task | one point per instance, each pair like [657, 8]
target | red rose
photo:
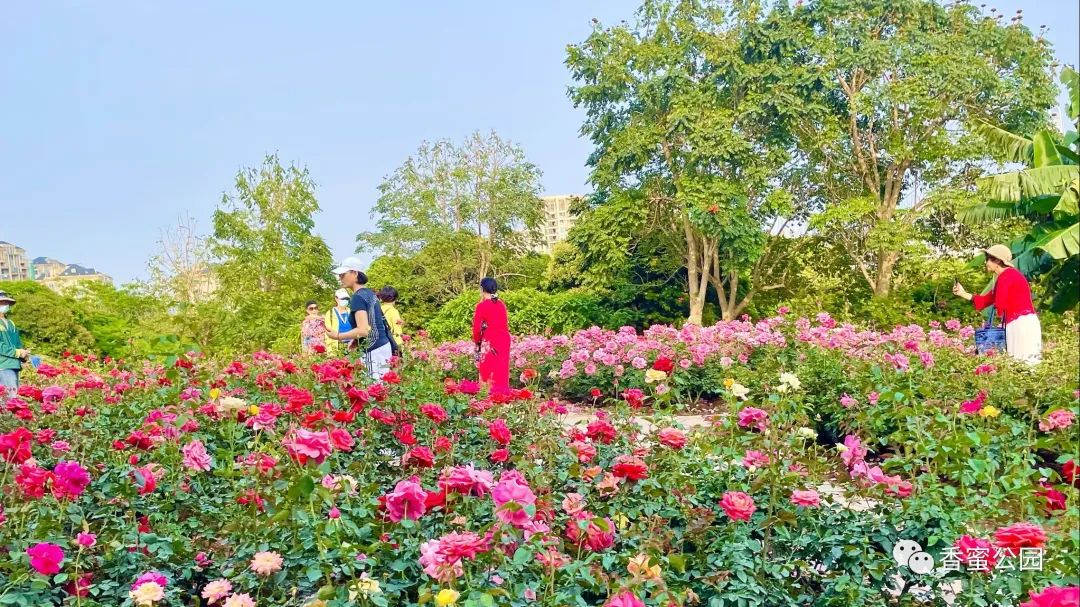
[499, 432]
[976, 549]
[1055, 500]
[595, 393]
[664, 364]
[420, 456]
[630, 468]
[500, 455]
[1020, 535]
[341, 439]
[405, 435]
[601, 431]
[434, 412]
[1070, 472]
[443, 445]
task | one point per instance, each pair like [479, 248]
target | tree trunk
[883, 280]
[699, 255]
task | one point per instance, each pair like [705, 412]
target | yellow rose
[728, 382]
[253, 409]
[367, 585]
[989, 411]
[446, 597]
[620, 520]
[655, 375]
[639, 568]
[214, 393]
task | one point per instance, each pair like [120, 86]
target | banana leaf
[1028, 183]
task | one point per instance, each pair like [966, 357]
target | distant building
[557, 221]
[75, 274]
[47, 267]
[13, 262]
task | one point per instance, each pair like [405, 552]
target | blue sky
[120, 116]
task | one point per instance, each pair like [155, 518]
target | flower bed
[270, 481]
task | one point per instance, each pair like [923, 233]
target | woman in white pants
[1011, 298]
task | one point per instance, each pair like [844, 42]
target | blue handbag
[990, 338]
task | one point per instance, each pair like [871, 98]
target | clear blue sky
[119, 116]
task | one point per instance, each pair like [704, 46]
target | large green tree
[891, 86]
[268, 258]
[688, 120]
[462, 208]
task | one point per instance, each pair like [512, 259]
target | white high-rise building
[557, 220]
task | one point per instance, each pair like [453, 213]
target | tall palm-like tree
[1046, 191]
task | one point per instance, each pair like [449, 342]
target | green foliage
[884, 84]
[530, 312]
[47, 322]
[689, 129]
[269, 260]
[456, 213]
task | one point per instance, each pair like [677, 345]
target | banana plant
[1047, 192]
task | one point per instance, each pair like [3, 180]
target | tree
[890, 86]
[1047, 192]
[268, 259]
[610, 251]
[466, 205]
[47, 322]
[180, 270]
[689, 122]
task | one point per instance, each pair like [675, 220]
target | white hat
[341, 294]
[1002, 252]
[349, 264]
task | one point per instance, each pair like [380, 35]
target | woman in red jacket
[490, 325]
[1011, 298]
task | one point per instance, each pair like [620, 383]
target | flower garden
[819, 455]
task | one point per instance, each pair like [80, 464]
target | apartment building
[13, 262]
[557, 220]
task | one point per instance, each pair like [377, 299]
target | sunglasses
[313, 308]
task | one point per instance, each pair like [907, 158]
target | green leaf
[522, 556]
[1010, 146]
[1061, 243]
[301, 487]
[1028, 183]
[1045, 150]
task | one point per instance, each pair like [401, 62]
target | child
[387, 299]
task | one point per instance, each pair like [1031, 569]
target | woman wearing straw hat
[1011, 298]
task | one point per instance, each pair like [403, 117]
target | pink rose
[738, 505]
[673, 438]
[511, 498]
[573, 503]
[625, 598]
[196, 457]
[305, 445]
[46, 558]
[1054, 596]
[407, 500]
[807, 499]
[752, 417]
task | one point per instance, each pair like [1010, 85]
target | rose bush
[273, 481]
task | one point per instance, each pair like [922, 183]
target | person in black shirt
[369, 332]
